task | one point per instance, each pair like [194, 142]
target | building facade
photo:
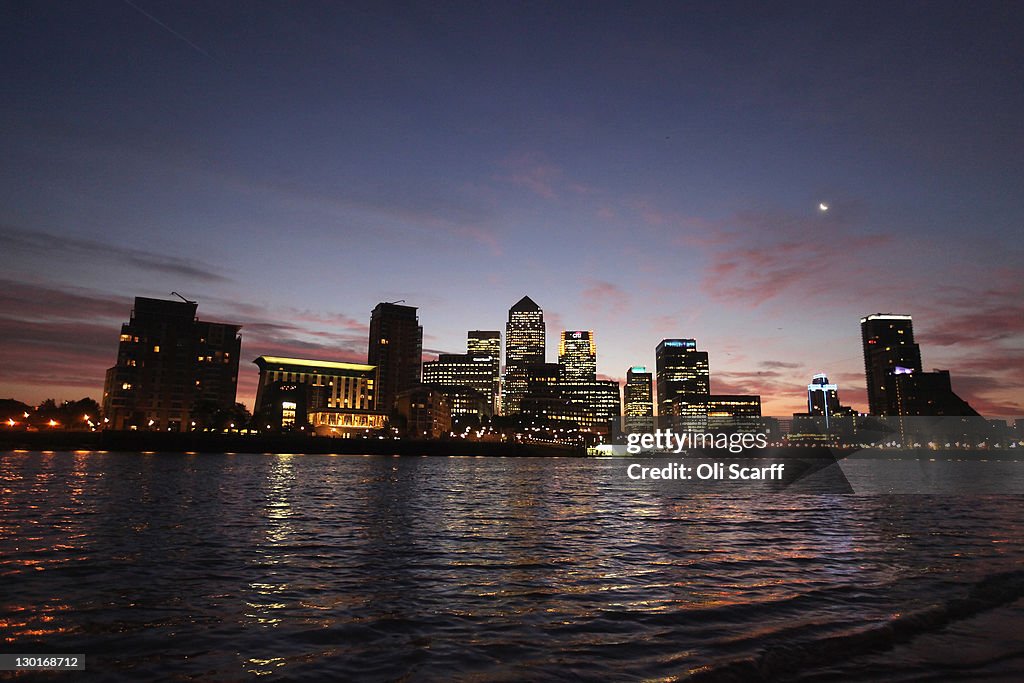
[896, 383]
[525, 339]
[170, 367]
[681, 370]
[638, 401]
[327, 397]
[424, 413]
[466, 380]
[888, 344]
[577, 356]
[396, 350]
[487, 344]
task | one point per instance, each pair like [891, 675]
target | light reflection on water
[227, 567]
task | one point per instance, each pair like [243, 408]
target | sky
[644, 170]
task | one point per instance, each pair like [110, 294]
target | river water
[308, 567]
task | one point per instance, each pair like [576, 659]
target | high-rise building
[524, 346]
[681, 370]
[466, 380]
[396, 349]
[487, 344]
[600, 402]
[889, 348]
[823, 400]
[638, 401]
[892, 367]
[577, 356]
[170, 367]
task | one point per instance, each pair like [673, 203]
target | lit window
[126, 386]
[126, 337]
[156, 349]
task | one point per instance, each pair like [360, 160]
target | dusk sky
[644, 170]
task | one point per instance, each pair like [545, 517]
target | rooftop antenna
[182, 298]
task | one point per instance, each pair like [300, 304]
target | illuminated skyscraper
[396, 348]
[524, 346]
[681, 370]
[889, 349]
[638, 400]
[577, 356]
[487, 344]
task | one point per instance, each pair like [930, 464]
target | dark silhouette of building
[525, 340]
[169, 365]
[888, 341]
[396, 349]
[928, 394]
[897, 386]
[681, 370]
[423, 413]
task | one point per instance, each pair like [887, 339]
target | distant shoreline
[206, 442]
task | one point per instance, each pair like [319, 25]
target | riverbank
[206, 442]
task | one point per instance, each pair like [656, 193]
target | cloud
[604, 297]
[533, 173]
[760, 255]
[19, 243]
[779, 365]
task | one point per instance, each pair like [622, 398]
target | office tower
[681, 370]
[822, 397]
[896, 383]
[524, 346]
[330, 398]
[171, 368]
[543, 398]
[889, 348]
[600, 402]
[577, 356]
[487, 344]
[466, 380]
[396, 348]
[638, 401]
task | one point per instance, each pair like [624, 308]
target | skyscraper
[822, 398]
[524, 346]
[170, 367]
[577, 356]
[487, 344]
[889, 348]
[396, 348]
[681, 370]
[638, 400]
[896, 383]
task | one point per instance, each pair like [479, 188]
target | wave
[778, 661]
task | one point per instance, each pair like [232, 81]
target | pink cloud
[604, 297]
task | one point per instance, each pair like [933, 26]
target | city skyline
[647, 175]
